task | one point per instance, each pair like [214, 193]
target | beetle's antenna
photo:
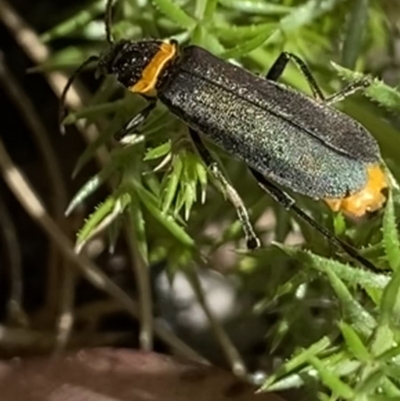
[71, 79]
[108, 21]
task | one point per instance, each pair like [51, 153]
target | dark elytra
[283, 136]
[294, 140]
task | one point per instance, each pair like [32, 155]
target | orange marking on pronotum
[368, 200]
[147, 83]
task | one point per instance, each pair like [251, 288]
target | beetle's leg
[288, 203]
[349, 90]
[125, 134]
[252, 240]
[280, 64]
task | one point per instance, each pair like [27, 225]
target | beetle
[286, 138]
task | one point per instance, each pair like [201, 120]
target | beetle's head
[140, 66]
[127, 60]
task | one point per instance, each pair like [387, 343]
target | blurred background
[151, 249]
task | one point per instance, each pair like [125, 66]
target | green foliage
[337, 325]
[383, 94]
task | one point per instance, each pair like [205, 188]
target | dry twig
[32, 204]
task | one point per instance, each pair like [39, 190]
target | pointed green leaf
[390, 305]
[354, 342]
[201, 172]
[259, 7]
[297, 361]
[171, 185]
[382, 340]
[339, 224]
[331, 380]
[307, 12]
[390, 235]
[378, 91]
[357, 24]
[246, 47]
[389, 354]
[303, 15]
[175, 13]
[287, 383]
[190, 183]
[370, 383]
[209, 9]
[233, 33]
[159, 151]
[202, 37]
[352, 275]
[89, 187]
[151, 204]
[95, 218]
[353, 311]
